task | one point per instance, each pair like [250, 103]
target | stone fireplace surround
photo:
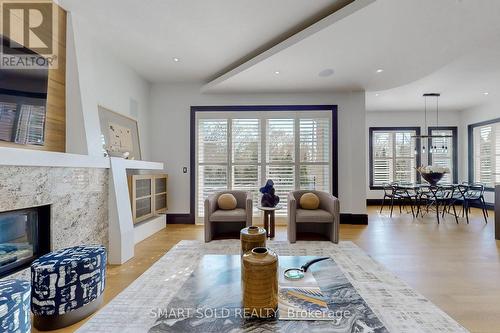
[78, 199]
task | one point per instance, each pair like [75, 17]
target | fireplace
[24, 236]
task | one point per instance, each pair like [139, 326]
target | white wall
[97, 77]
[411, 119]
[170, 121]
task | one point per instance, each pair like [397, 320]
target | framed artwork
[119, 134]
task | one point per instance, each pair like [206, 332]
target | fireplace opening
[24, 236]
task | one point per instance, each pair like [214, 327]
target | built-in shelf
[148, 195]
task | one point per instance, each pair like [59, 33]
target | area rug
[400, 308]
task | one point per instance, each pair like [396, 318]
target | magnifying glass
[299, 273]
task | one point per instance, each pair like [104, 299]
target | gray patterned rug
[400, 308]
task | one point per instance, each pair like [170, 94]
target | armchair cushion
[226, 201]
[309, 201]
[234, 215]
[313, 215]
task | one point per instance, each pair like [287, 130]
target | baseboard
[374, 202]
[345, 218]
[180, 219]
[357, 219]
[378, 202]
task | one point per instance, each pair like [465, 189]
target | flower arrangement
[432, 174]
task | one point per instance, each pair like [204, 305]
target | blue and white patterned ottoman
[67, 285]
[15, 296]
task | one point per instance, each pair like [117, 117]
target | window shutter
[394, 156]
[246, 146]
[280, 141]
[315, 142]
[483, 170]
[212, 141]
[497, 155]
[212, 158]
[241, 151]
[443, 158]
[382, 158]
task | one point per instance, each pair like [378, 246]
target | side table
[269, 219]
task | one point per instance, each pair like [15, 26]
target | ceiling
[207, 36]
[447, 46]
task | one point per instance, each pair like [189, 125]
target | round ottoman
[67, 285]
[15, 298]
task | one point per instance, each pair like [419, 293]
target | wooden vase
[252, 237]
[259, 276]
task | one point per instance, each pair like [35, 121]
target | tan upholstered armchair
[218, 221]
[324, 220]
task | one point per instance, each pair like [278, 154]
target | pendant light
[431, 148]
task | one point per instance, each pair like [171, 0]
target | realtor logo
[28, 31]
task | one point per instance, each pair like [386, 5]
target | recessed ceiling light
[326, 72]
[377, 95]
[486, 93]
[176, 59]
[276, 72]
[380, 70]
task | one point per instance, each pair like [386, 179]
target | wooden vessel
[252, 237]
[259, 274]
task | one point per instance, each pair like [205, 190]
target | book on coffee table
[301, 299]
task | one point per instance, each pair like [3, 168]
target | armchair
[324, 220]
[218, 221]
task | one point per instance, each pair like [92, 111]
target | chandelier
[433, 148]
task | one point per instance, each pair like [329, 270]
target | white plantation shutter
[234, 152]
[314, 170]
[280, 157]
[443, 158]
[280, 141]
[496, 148]
[212, 158]
[382, 157]
[487, 154]
[246, 156]
[394, 158]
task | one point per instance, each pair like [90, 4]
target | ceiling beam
[305, 32]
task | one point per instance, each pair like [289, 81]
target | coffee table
[140, 305]
[269, 219]
[210, 301]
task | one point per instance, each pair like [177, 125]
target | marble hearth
[78, 198]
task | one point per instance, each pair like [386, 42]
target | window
[393, 155]
[446, 154]
[484, 159]
[241, 150]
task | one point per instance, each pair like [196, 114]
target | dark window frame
[234, 108]
[470, 133]
[454, 133]
[370, 145]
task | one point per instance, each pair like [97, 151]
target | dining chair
[390, 194]
[448, 199]
[475, 193]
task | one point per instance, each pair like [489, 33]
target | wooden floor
[455, 266]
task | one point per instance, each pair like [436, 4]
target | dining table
[445, 193]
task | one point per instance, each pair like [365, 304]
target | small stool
[15, 297]
[67, 286]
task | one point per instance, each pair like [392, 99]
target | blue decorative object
[15, 296]
[269, 199]
[67, 279]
